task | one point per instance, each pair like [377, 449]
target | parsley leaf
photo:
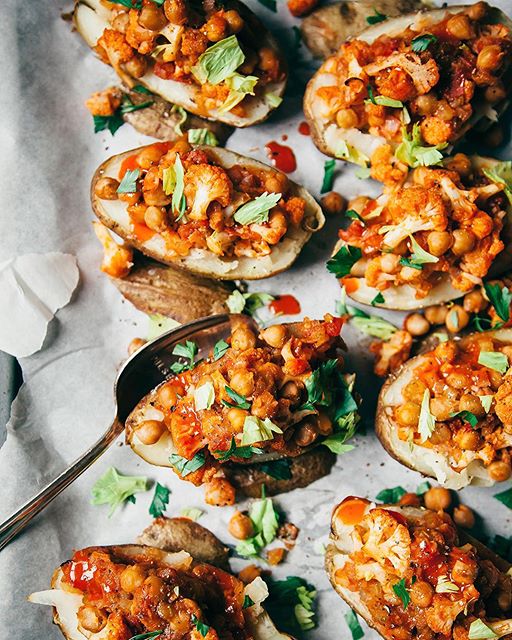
[127, 105]
[147, 635]
[291, 604]
[414, 154]
[160, 500]
[237, 452]
[328, 178]
[202, 627]
[407, 262]
[343, 260]
[113, 488]
[378, 17]
[139, 88]
[131, 4]
[129, 182]
[265, 524]
[238, 401]
[220, 349]
[378, 299]
[391, 496]
[277, 469]
[247, 602]
[401, 591]
[249, 303]
[185, 466]
[257, 210]
[505, 497]
[353, 624]
[112, 123]
[422, 488]
[423, 42]
[188, 350]
[466, 416]
[500, 298]
[350, 213]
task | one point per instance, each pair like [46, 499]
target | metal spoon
[147, 368]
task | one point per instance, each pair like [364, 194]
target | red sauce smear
[129, 164]
[282, 157]
[287, 305]
[304, 129]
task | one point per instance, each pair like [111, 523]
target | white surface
[49, 153]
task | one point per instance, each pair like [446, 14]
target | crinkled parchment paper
[48, 155]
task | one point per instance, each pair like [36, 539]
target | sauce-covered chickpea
[243, 339]
[408, 414]
[489, 59]
[240, 526]
[136, 66]
[499, 470]
[106, 188]
[421, 593]
[464, 517]
[91, 618]
[275, 336]
[437, 499]
[459, 27]
[132, 577]
[474, 302]
[152, 17]
[234, 20]
[467, 439]
[439, 242]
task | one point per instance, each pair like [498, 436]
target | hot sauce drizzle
[286, 305]
[282, 157]
[304, 129]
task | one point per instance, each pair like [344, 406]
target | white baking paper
[49, 153]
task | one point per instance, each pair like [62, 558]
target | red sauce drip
[282, 157]
[284, 137]
[129, 164]
[304, 129]
[287, 305]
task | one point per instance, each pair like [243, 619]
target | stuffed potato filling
[266, 395]
[208, 46]
[420, 86]
[443, 224]
[416, 579]
[126, 595]
[184, 196]
[458, 403]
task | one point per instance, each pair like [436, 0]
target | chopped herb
[129, 182]
[406, 262]
[378, 299]
[178, 202]
[159, 325]
[401, 591]
[502, 546]
[219, 61]
[192, 513]
[139, 88]
[327, 182]
[202, 627]
[505, 497]
[239, 302]
[257, 430]
[239, 87]
[493, 360]
[486, 402]
[370, 94]
[220, 349]
[383, 101]
[422, 488]
[391, 496]
[419, 255]
[204, 396]
[185, 466]
[257, 210]
[182, 118]
[112, 123]
[445, 586]
[343, 260]
[500, 298]
[372, 325]
[202, 136]
[238, 401]
[277, 469]
[160, 501]
[113, 488]
[353, 624]
[467, 416]
[237, 452]
[291, 604]
[127, 105]
[376, 18]
[265, 523]
[131, 4]
[423, 42]
[352, 154]
[304, 612]
[427, 422]
[478, 630]
[350, 213]
[247, 602]
[188, 350]
[148, 634]
[414, 154]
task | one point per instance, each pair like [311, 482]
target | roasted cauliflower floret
[388, 541]
[104, 103]
[117, 258]
[116, 48]
[503, 400]
[204, 184]
[391, 353]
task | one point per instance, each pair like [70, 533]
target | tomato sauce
[287, 305]
[282, 157]
[304, 129]
[129, 164]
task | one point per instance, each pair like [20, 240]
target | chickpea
[152, 17]
[236, 417]
[106, 188]
[292, 391]
[276, 556]
[457, 319]
[460, 163]
[267, 59]
[135, 345]
[249, 573]
[275, 336]
[132, 577]
[242, 382]
[346, 118]
[474, 301]
[495, 93]
[489, 59]
[410, 500]
[408, 414]
[442, 407]
[389, 262]
[499, 470]
[216, 28]
[495, 378]
[155, 218]
[240, 526]
[409, 274]
[439, 242]
[249, 64]
[243, 339]
[307, 432]
[333, 203]
[441, 434]
[414, 390]
[156, 197]
[436, 314]
[437, 499]
[444, 111]
[148, 156]
[91, 618]
[426, 104]
[358, 269]
[219, 493]
[234, 20]
[150, 431]
[121, 21]
[421, 593]
[459, 27]
[167, 395]
[446, 351]
[463, 241]
[467, 439]
[464, 517]
[175, 11]
[468, 402]
[477, 11]
[463, 572]
[358, 204]
[153, 586]
[136, 66]
[416, 324]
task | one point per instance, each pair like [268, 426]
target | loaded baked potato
[409, 574]
[119, 592]
[251, 412]
[215, 60]
[205, 209]
[429, 239]
[410, 86]
[447, 413]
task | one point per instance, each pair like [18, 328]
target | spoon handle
[21, 518]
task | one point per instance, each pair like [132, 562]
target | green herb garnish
[277, 469]
[493, 360]
[160, 500]
[237, 452]
[423, 42]
[328, 178]
[113, 488]
[220, 349]
[500, 298]
[391, 496]
[187, 350]
[129, 182]
[202, 627]
[343, 260]
[466, 416]
[353, 624]
[376, 18]
[257, 210]
[238, 401]
[184, 466]
[401, 591]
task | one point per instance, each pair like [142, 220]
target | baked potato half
[252, 411]
[430, 239]
[199, 594]
[216, 61]
[226, 216]
[412, 85]
[408, 570]
[459, 435]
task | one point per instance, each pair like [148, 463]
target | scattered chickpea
[234, 20]
[416, 324]
[275, 336]
[267, 59]
[457, 319]
[167, 395]
[408, 414]
[464, 517]
[243, 339]
[474, 301]
[155, 218]
[441, 408]
[135, 345]
[459, 27]
[460, 163]
[421, 593]
[219, 493]
[469, 402]
[106, 188]
[292, 391]
[276, 556]
[437, 499]
[499, 470]
[148, 156]
[410, 500]
[477, 11]
[442, 434]
[236, 418]
[307, 433]
[150, 431]
[436, 314]
[249, 573]
[240, 526]
[333, 203]
[467, 439]
[414, 390]
[346, 118]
